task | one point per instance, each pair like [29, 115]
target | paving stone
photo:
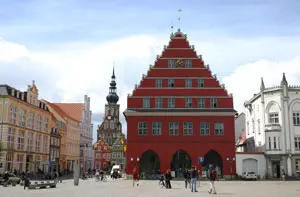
[124, 188]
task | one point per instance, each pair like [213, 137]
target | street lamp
[230, 162]
[133, 160]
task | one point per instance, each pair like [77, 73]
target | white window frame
[156, 128]
[188, 63]
[171, 102]
[158, 102]
[173, 129]
[200, 83]
[46, 123]
[13, 114]
[296, 118]
[297, 142]
[213, 102]
[270, 143]
[275, 142]
[39, 122]
[11, 138]
[189, 102]
[201, 102]
[297, 165]
[21, 140]
[219, 128]
[204, 128]
[188, 129]
[22, 122]
[38, 138]
[188, 83]
[273, 118]
[146, 102]
[170, 82]
[158, 83]
[142, 128]
[171, 63]
[31, 120]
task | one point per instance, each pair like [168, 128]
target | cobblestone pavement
[124, 188]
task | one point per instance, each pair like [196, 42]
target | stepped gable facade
[180, 115]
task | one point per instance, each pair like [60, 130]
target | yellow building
[70, 140]
[25, 125]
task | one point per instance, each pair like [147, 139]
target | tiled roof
[243, 139]
[73, 110]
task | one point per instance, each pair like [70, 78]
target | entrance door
[180, 161]
[276, 169]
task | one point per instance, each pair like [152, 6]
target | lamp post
[230, 162]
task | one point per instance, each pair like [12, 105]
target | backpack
[213, 175]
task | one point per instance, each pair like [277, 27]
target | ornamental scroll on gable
[179, 64]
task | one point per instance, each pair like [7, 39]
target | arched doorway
[149, 163]
[180, 161]
[213, 158]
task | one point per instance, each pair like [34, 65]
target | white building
[86, 136]
[239, 127]
[273, 124]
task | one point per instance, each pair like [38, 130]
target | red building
[179, 115]
[102, 154]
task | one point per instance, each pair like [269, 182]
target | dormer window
[171, 63]
[273, 118]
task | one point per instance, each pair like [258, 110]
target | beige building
[24, 130]
[70, 137]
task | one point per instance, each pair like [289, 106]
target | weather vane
[179, 18]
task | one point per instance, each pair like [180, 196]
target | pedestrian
[212, 178]
[187, 178]
[135, 177]
[194, 179]
[26, 181]
[168, 178]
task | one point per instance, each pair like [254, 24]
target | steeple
[284, 81]
[112, 97]
[262, 85]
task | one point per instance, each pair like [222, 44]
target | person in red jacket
[135, 176]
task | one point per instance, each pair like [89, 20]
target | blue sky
[64, 44]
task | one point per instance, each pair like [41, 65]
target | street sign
[201, 159]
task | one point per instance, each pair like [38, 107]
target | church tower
[111, 128]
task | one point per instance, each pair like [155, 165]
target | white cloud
[246, 79]
[10, 51]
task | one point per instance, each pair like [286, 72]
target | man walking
[194, 179]
[212, 178]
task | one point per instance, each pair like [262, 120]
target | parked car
[249, 176]
[12, 178]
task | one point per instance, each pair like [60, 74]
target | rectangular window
[30, 142]
[273, 118]
[19, 162]
[188, 102]
[10, 138]
[188, 63]
[173, 129]
[297, 143]
[248, 132]
[171, 102]
[46, 122]
[98, 155]
[297, 164]
[31, 120]
[188, 83]
[9, 161]
[201, 102]
[219, 128]
[171, 83]
[253, 126]
[21, 140]
[213, 102]
[45, 143]
[200, 83]
[158, 102]
[37, 143]
[278, 142]
[156, 128]
[158, 83]
[142, 128]
[39, 123]
[204, 128]
[270, 143]
[296, 118]
[146, 102]
[22, 121]
[275, 142]
[13, 114]
[188, 128]
[258, 127]
[171, 63]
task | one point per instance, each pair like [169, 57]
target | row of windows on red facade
[171, 83]
[188, 128]
[188, 102]
[172, 63]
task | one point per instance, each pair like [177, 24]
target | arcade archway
[180, 161]
[149, 163]
[213, 158]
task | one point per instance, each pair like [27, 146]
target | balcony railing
[272, 127]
